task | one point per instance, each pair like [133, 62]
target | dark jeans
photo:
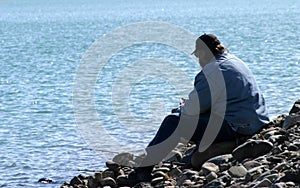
[171, 122]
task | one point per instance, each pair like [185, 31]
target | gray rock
[254, 173]
[251, 164]
[220, 159]
[252, 149]
[237, 171]
[123, 158]
[209, 167]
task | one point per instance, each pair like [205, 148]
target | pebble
[237, 171]
[209, 167]
[252, 149]
[251, 164]
[211, 176]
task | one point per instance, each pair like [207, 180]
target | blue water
[42, 43]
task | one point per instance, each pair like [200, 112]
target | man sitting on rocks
[225, 104]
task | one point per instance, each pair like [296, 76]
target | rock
[252, 149]
[108, 173]
[237, 171]
[93, 182]
[214, 184]
[251, 164]
[113, 166]
[75, 181]
[290, 175]
[109, 182]
[255, 163]
[122, 180]
[159, 174]
[290, 121]
[224, 166]
[45, 180]
[221, 159]
[272, 177]
[263, 183]
[123, 158]
[211, 176]
[174, 156]
[174, 172]
[296, 108]
[162, 169]
[290, 184]
[157, 180]
[216, 149]
[254, 173]
[209, 167]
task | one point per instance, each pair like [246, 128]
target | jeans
[171, 122]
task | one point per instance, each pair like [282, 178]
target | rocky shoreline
[270, 158]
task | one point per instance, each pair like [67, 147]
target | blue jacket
[228, 80]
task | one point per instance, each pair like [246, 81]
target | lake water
[41, 47]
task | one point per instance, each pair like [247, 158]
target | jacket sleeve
[199, 100]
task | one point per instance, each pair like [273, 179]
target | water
[42, 43]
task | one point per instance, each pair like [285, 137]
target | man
[226, 102]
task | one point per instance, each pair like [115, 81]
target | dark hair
[213, 43]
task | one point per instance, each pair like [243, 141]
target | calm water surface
[42, 42]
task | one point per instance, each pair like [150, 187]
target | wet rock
[45, 180]
[237, 171]
[252, 149]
